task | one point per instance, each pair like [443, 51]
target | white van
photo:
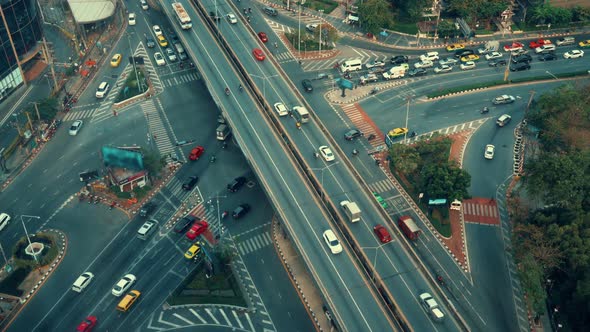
[301, 114]
[145, 230]
[351, 65]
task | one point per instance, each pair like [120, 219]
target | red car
[382, 233]
[87, 325]
[263, 37]
[540, 42]
[258, 54]
[198, 228]
[196, 153]
[513, 47]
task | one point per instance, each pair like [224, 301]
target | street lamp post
[139, 84]
[408, 99]
[27, 233]
[548, 72]
[263, 78]
[322, 169]
[218, 213]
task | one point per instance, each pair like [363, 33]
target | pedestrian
[300, 62]
[276, 45]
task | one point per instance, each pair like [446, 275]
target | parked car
[240, 211]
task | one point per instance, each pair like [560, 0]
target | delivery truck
[352, 211]
[409, 227]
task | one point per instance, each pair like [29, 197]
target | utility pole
[37, 111]
[528, 105]
[408, 99]
[49, 61]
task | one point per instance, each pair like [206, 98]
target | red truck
[409, 227]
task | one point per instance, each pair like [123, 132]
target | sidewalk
[308, 292]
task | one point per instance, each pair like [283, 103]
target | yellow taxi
[162, 41]
[116, 60]
[455, 47]
[584, 43]
[397, 132]
[470, 57]
[192, 251]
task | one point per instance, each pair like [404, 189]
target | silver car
[75, 128]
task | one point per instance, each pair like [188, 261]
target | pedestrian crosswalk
[185, 77]
[362, 122]
[254, 243]
[157, 131]
[284, 57]
[381, 186]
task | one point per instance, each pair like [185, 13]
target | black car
[150, 42]
[399, 59]
[548, 57]
[240, 211]
[184, 223]
[215, 17]
[461, 53]
[520, 66]
[522, 58]
[307, 85]
[417, 72]
[236, 184]
[190, 183]
[352, 134]
[497, 63]
[147, 209]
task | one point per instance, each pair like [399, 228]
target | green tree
[446, 28]
[47, 109]
[329, 34]
[153, 162]
[580, 14]
[375, 15]
[444, 180]
[405, 158]
[475, 10]
[411, 11]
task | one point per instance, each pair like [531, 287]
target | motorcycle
[224, 214]
[371, 137]
[227, 91]
[413, 134]
[440, 280]
[212, 159]
[374, 91]
[355, 152]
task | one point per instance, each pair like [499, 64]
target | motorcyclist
[355, 152]
[227, 91]
[241, 87]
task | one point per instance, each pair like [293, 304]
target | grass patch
[221, 288]
[326, 5]
[131, 87]
[440, 221]
[497, 83]
[405, 27]
[307, 44]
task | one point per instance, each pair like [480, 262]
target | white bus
[182, 16]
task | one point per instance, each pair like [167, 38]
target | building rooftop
[90, 11]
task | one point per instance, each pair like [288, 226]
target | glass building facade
[20, 31]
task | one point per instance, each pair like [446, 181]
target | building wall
[20, 31]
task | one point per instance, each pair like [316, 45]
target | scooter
[374, 91]
[212, 159]
[224, 214]
[440, 280]
[371, 137]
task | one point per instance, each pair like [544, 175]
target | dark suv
[307, 85]
[184, 223]
[147, 209]
[461, 53]
[520, 66]
[190, 183]
[399, 59]
[522, 58]
[240, 211]
[236, 184]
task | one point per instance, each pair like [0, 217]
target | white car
[443, 69]
[157, 30]
[132, 19]
[573, 54]
[519, 52]
[448, 61]
[311, 27]
[144, 4]
[431, 56]
[170, 54]
[232, 18]
[4, 219]
[123, 285]
[102, 90]
[424, 64]
[82, 282]
[467, 65]
[429, 304]
[75, 128]
[281, 109]
[326, 153]
[376, 63]
[494, 55]
[489, 152]
[503, 99]
[332, 242]
[159, 59]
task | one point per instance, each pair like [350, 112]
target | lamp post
[408, 99]
[27, 233]
[264, 78]
[139, 84]
[548, 72]
[322, 169]
[217, 197]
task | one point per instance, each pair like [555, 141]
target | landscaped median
[489, 84]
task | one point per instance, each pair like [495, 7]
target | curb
[379, 86]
